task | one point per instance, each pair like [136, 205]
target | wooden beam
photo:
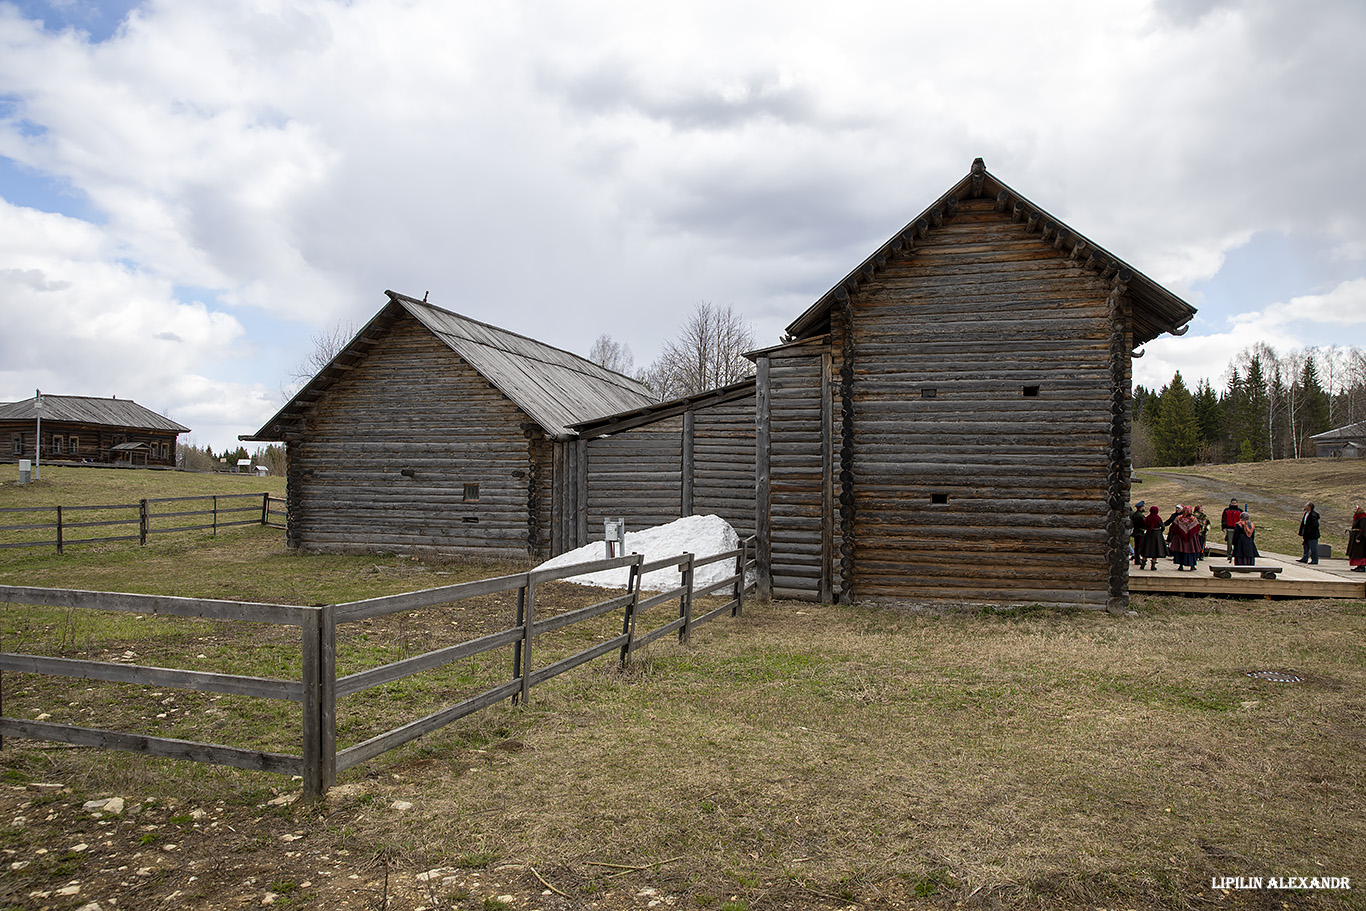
[1002, 200]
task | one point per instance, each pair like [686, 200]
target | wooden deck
[1330, 579]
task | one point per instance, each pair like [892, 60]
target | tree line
[191, 457]
[1270, 406]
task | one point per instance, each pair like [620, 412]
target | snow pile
[700, 536]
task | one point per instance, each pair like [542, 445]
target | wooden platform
[1330, 579]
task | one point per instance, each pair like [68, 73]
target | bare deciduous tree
[615, 356]
[708, 353]
[327, 344]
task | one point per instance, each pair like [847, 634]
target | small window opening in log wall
[469, 518]
[939, 499]
[1029, 392]
[471, 492]
[928, 392]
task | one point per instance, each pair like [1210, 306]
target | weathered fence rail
[318, 687]
[144, 518]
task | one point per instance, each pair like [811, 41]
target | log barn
[78, 428]
[951, 421]
[434, 433]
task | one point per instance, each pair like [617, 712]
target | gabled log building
[434, 433]
[952, 419]
[78, 428]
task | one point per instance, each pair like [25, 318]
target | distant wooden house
[1341, 443]
[434, 433]
[77, 428]
[952, 419]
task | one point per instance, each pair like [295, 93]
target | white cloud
[565, 169]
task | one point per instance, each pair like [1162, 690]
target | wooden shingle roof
[554, 388]
[124, 414]
[1155, 309]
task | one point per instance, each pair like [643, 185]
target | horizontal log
[200, 681]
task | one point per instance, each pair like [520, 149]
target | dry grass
[809, 756]
[803, 756]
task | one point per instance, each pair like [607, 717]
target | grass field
[803, 756]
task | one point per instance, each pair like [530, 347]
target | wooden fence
[142, 520]
[319, 687]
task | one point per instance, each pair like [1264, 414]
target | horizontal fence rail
[318, 687]
[139, 520]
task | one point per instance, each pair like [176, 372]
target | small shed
[951, 420]
[1347, 442]
[431, 432]
[78, 428]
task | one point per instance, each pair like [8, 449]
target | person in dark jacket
[1309, 531]
[1154, 545]
[1230, 518]
[1245, 542]
[1137, 529]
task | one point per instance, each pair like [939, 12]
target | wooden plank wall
[944, 344]
[637, 475]
[387, 451]
[700, 462]
[800, 523]
[723, 463]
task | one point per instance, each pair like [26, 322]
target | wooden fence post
[685, 600]
[628, 619]
[740, 580]
[142, 522]
[311, 705]
[59, 529]
[215, 516]
[526, 613]
[265, 507]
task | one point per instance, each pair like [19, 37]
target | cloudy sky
[191, 191]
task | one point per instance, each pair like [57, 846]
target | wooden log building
[951, 421]
[433, 433]
[78, 428]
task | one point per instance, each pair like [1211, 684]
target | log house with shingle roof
[431, 432]
[78, 428]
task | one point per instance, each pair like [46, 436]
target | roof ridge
[499, 330]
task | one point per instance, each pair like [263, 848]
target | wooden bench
[1226, 571]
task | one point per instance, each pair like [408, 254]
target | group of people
[1183, 535]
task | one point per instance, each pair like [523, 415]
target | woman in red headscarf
[1186, 539]
[1245, 541]
[1356, 541]
[1154, 546]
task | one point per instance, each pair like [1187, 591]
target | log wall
[799, 496]
[385, 455]
[977, 383]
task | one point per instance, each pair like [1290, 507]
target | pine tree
[1177, 432]
[1313, 406]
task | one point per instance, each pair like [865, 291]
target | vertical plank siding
[964, 486]
[385, 458]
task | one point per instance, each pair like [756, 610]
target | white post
[38, 439]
